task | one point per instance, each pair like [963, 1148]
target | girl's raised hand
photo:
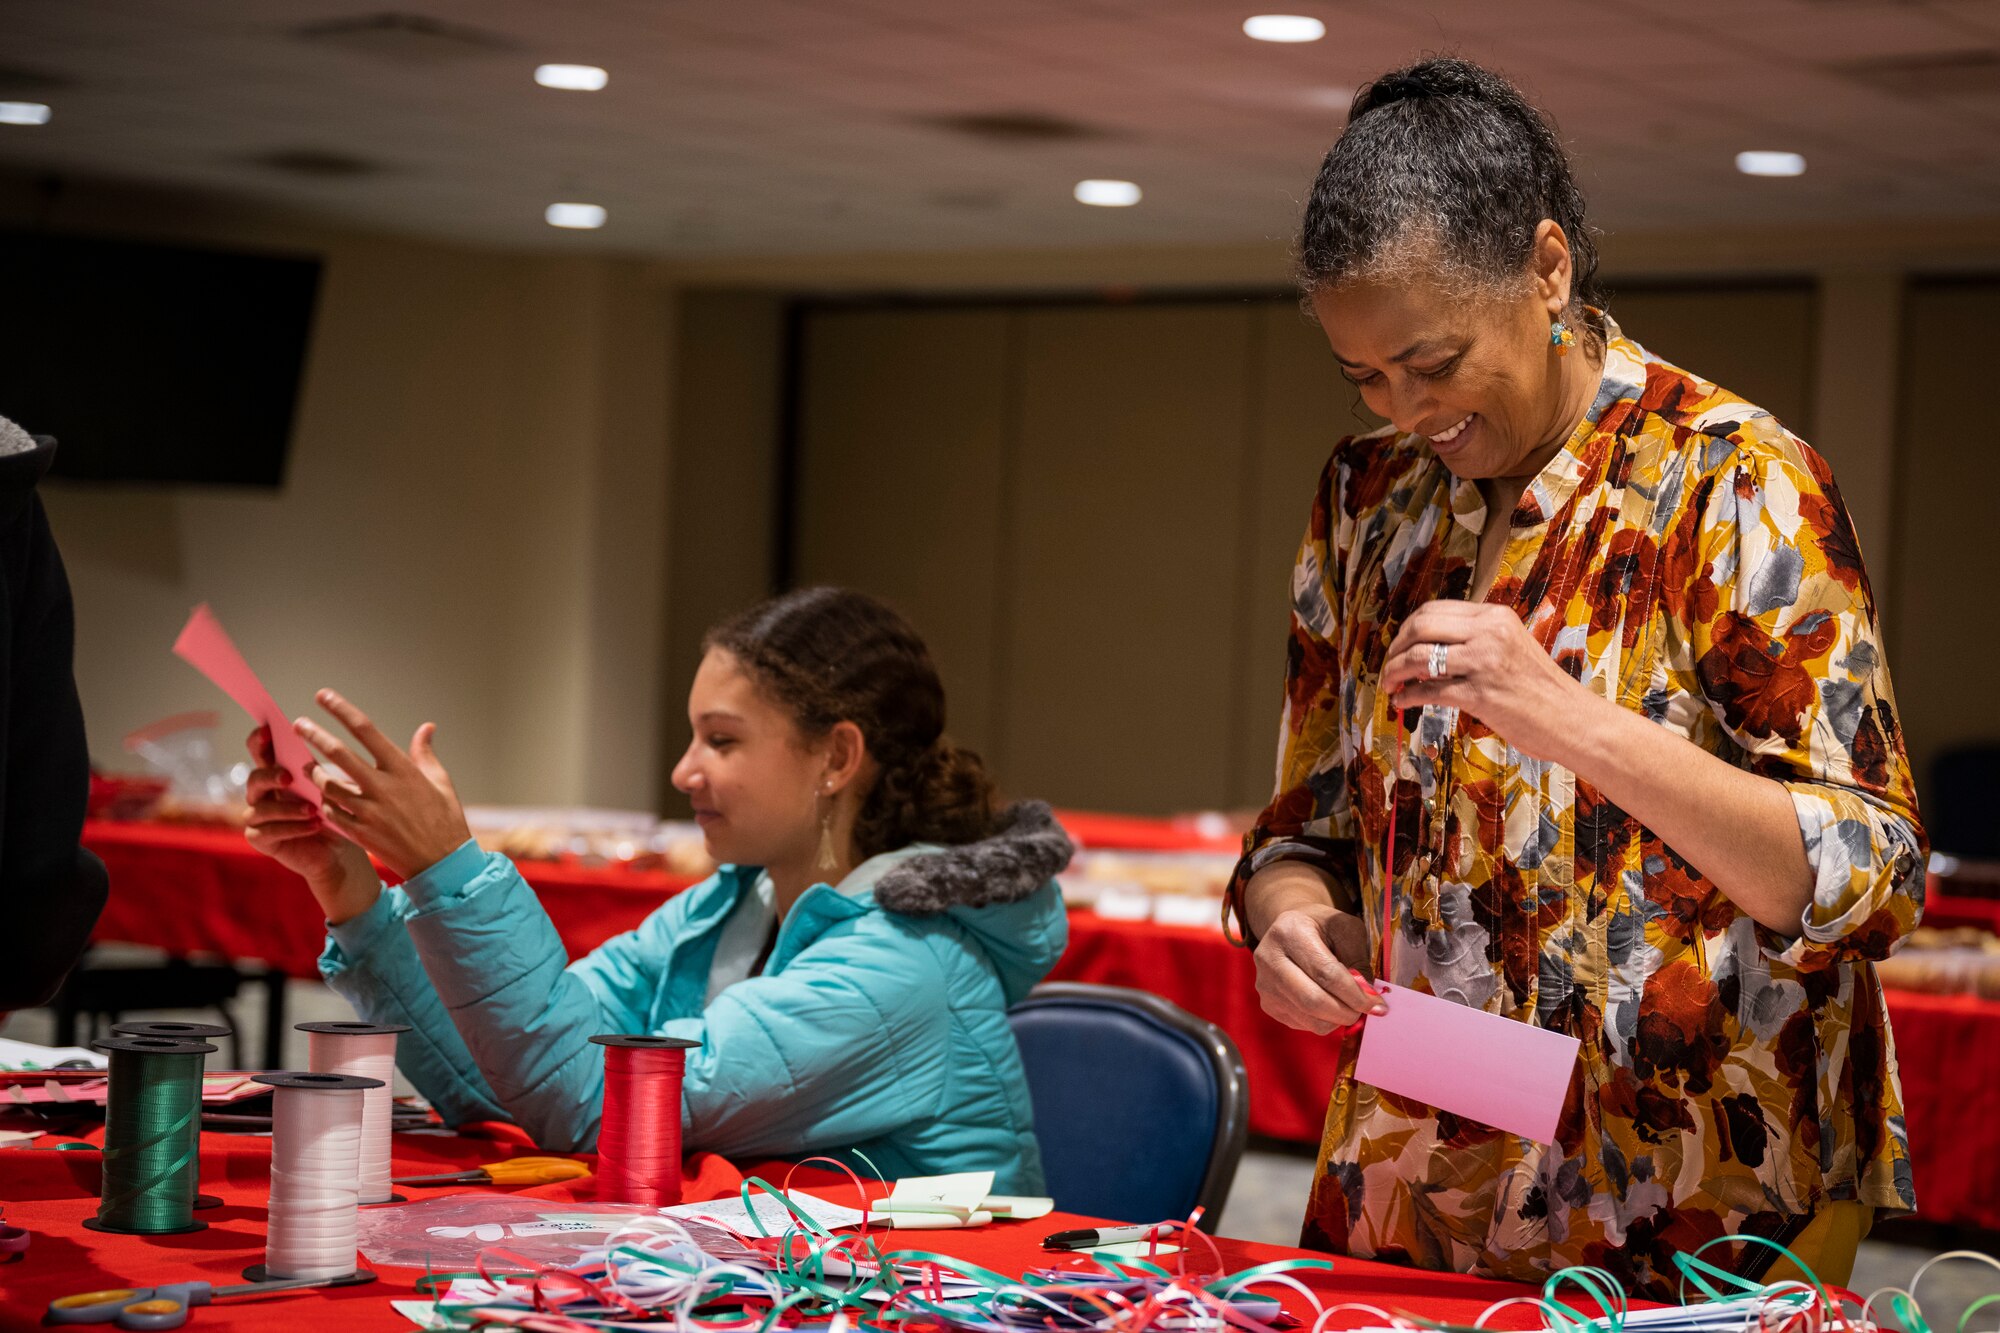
[401, 806]
[285, 827]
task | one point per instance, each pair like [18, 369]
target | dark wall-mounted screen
[154, 363]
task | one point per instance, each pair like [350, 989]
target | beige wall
[472, 529]
[722, 493]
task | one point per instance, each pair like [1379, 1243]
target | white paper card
[24, 1055]
[882, 1215]
[960, 1194]
[1020, 1208]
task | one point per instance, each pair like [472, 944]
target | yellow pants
[1827, 1245]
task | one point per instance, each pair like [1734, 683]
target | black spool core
[153, 1046]
[259, 1273]
[353, 1028]
[96, 1225]
[645, 1041]
[317, 1082]
[172, 1031]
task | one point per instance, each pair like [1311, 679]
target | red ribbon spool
[639, 1139]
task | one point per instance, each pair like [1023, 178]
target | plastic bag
[183, 749]
[450, 1232]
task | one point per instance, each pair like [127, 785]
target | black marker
[1098, 1237]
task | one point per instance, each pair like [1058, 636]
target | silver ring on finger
[1437, 663]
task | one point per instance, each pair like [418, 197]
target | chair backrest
[1141, 1109]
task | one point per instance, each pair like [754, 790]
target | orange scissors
[513, 1171]
[164, 1306]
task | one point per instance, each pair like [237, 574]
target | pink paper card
[205, 646]
[1478, 1065]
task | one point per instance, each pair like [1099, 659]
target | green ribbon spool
[179, 1031]
[152, 1123]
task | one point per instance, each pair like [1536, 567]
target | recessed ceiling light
[23, 113]
[1107, 194]
[574, 78]
[1283, 28]
[1771, 164]
[582, 217]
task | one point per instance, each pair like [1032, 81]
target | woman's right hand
[1310, 954]
[286, 828]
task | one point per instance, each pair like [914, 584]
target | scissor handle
[535, 1170]
[94, 1307]
[163, 1306]
[158, 1312]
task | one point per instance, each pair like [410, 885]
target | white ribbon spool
[364, 1050]
[315, 1158]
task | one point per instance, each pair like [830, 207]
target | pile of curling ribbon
[658, 1270]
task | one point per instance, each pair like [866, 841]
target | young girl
[847, 972]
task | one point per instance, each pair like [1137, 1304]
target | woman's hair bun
[1443, 76]
[956, 795]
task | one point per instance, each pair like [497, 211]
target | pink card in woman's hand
[1474, 1064]
[205, 646]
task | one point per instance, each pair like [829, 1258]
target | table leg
[274, 1018]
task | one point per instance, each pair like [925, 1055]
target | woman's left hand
[1494, 671]
[402, 807]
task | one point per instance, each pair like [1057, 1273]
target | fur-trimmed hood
[1026, 850]
[997, 895]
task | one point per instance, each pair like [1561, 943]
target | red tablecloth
[1136, 833]
[1946, 910]
[51, 1193]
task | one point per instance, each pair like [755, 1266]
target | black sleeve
[51, 890]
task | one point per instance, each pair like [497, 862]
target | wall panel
[900, 481]
[1125, 554]
[1943, 634]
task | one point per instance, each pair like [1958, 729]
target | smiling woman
[847, 973]
[1653, 793]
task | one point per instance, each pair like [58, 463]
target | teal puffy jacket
[879, 1022]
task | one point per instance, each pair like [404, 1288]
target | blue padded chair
[1141, 1108]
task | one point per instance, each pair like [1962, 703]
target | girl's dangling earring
[829, 860]
[1561, 338]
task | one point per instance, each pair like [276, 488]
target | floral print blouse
[1689, 558]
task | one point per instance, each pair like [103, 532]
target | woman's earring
[828, 859]
[1561, 338]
